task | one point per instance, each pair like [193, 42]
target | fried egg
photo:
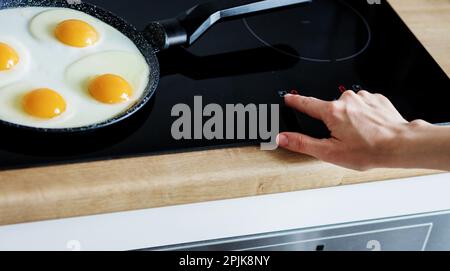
[66, 69]
[14, 60]
[31, 104]
[69, 27]
[107, 83]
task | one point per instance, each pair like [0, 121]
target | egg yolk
[76, 33]
[110, 89]
[44, 103]
[8, 57]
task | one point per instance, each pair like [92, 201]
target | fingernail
[282, 140]
[289, 95]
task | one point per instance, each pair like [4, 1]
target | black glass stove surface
[314, 48]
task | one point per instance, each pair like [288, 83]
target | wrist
[407, 147]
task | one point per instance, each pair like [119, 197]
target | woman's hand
[367, 132]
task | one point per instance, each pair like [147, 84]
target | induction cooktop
[317, 49]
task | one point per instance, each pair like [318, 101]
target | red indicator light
[342, 89]
[294, 92]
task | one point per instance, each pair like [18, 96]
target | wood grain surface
[146, 182]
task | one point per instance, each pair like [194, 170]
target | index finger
[308, 105]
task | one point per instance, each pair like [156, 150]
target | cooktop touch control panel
[429, 231]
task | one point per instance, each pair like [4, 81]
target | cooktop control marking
[259, 36]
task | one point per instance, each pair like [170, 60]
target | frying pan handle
[192, 24]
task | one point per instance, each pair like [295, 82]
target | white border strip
[165, 226]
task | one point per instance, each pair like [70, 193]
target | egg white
[57, 66]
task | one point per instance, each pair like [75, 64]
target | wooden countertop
[128, 184]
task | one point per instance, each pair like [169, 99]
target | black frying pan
[183, 30]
